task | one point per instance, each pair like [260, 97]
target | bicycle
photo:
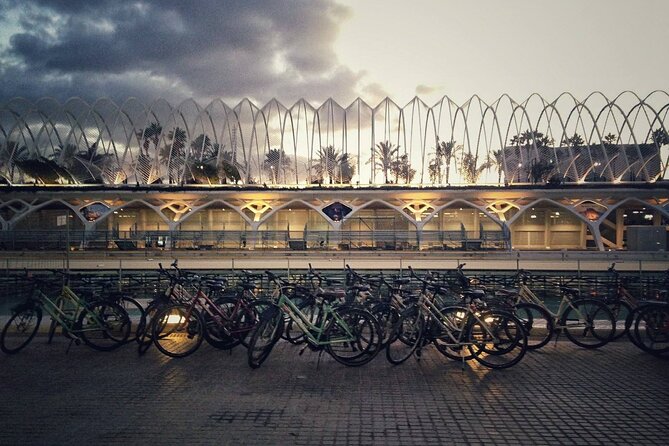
[349, 334]
[179, 328]
[101, 325]
[587, 322]
[102, 289]
[385, 308]
[651, 328]
[494, 338]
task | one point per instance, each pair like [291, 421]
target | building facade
[565, 174]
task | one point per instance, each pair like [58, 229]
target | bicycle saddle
[569, 290]
[330, 295]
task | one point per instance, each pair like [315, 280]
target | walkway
[562, 394]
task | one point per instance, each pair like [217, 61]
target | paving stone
[562, 394]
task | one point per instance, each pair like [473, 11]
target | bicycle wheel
[497, 339]
[353, 337]
[651, 329]
[264, 336]
[218, 326]
[621, 314]
[537, 322]
[144, 331]
[588, 323]
[247, 319]
[406, 336]
[387, 316]
[20, 329]
[178, 330]
[103, 326]
[450, 339]
[136, 313]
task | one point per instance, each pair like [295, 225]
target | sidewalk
[561, 394]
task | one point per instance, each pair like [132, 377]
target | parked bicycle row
[352, 321]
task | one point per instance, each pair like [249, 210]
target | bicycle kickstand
[318, 363]
[69, 346]
[558, 332]
[462, 358]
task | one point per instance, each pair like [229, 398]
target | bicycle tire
[406, 336]
[20, 329]
[621, 314]
[144, 331]
[265, 335]
[178, 330]
[538, 324]
[247, 319]
[135, 311]
[588, 323]
[215, 325]
[497, 339]
[387, 316]
[103, 326]
[367, 337]
[651, 328]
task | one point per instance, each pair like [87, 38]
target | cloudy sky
[330, 48]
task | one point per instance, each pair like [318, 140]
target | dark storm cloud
[175, 49]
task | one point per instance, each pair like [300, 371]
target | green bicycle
[349, 334]
[101, 325]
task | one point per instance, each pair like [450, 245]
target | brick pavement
[562, 394]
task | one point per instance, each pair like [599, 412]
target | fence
[60, 240]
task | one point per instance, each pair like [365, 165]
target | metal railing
[78, 239]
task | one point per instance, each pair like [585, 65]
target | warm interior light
[175, 319]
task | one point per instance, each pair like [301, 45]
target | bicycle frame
[203, 303]
[525, 294]
[65, 318]
[429, 310]
[308, 328]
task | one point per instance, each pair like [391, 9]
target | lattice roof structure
[564, 140]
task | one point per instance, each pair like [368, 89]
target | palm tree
[45, 171]
[525, 143]
[382, 158]
[201, 148]
[346, 168]
[276, 163]
[173, 153]
[469, 169]
[327, 166]
[497, 161]
[230, 167]
[440, 164]
[10, 154]
[541, 171]
[151, 134]
[573, 141]
[660, 137]
[401, 169]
